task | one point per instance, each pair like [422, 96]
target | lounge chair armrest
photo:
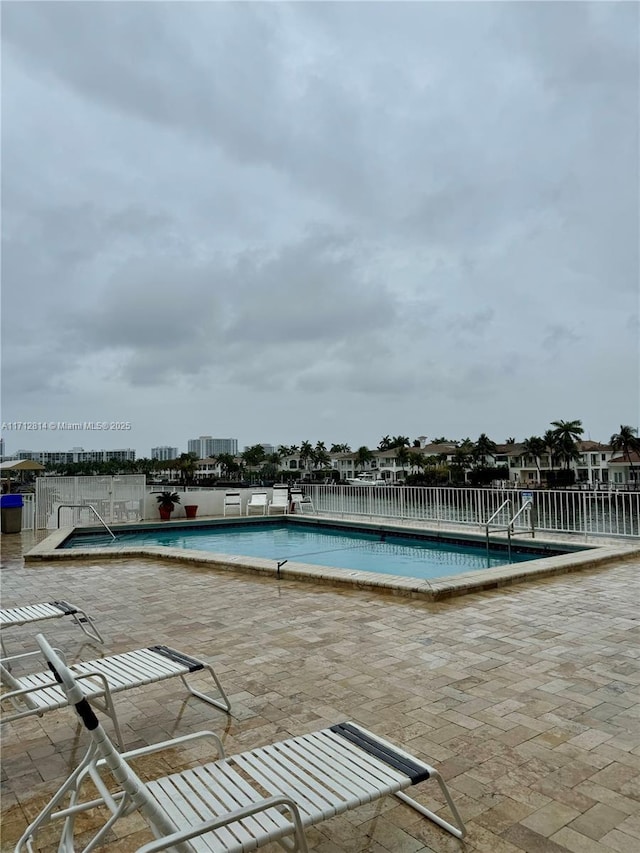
[217, 823]
[171, 744]
[25, 655]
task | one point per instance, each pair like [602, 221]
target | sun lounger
[232, 502]
[36, 693]
[279, 501]
[239, 803]
[300, 501]
[257, 501]
[15, 616]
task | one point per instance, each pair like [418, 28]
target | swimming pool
[381, 550]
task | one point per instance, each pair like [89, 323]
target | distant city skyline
[43, 446]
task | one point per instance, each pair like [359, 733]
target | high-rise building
[164, 453]
[77, 454]
[206, 446]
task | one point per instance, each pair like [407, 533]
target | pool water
[382, 552]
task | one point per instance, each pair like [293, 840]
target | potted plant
[166, 503]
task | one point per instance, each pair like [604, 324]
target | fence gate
[119, 498]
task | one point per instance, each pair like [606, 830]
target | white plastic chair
[299, 501]
[279, 501]
[257, 501]
[232, 503]
[222, 804]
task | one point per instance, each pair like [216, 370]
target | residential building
[207, 446]
[164, 453]
[77, 454]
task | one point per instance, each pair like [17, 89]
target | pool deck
[598, 552]
[526, 697]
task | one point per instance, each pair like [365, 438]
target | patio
[526, 698]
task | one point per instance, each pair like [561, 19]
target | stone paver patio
[527, 698]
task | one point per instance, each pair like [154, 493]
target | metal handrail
[499, 510]
[528, 504]
[507, 529]
[86, 506]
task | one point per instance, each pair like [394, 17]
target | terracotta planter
[165, 512]
[191, 510]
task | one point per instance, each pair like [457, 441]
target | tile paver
[527, 697]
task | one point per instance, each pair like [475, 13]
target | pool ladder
[509, 529]
[93, 509]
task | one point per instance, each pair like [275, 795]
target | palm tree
[362, 456]
[402, 457]
[534, 447]
[340, 448]
[482, 448]
[567, 436]
[306, 453]
[385, 443]
[628, 442]
[321, 456]
[400, 441]
[417, 459]
[550, 439]
[228, 464]
[187, 465]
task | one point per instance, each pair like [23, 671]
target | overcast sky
[319, 221]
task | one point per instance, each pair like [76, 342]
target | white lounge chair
[231, 503]
[257, 501]
[12, 617]
[36, 693]
[300, 501]
[279, 501]
[222, 805]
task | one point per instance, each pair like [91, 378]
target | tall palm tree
[321, 456]
[400, 441]
[340, 448]
[534, 447]
[627, 442]
[402, 456]
[385, 443]
[567, 434]
[550, 439]
[417, 459]
[187, 465]
[306, 453]
[362, 456]
[482, 448]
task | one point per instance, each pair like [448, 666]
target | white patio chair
[300, 501]
[222, 805]
[279, 501]
[231, 503]
[36, 693]
[257, 501]
[12, 617]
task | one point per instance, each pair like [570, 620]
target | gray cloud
[329, 209]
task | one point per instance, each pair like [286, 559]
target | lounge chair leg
[223, 705]
[458, 831]
[82, 620]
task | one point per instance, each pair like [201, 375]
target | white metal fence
[585, 512]
[70, 498]
[28, 511]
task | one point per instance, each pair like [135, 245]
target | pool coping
[478, 580]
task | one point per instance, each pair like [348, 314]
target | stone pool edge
[479, 580]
